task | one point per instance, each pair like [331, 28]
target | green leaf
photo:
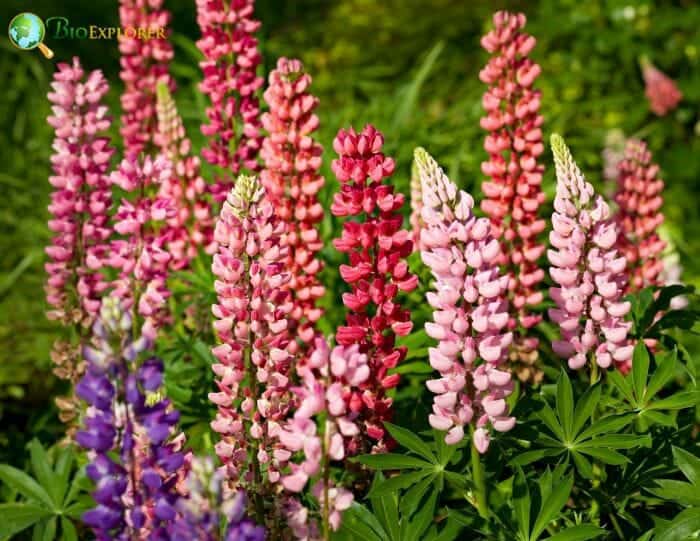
[552, 505]
[611, 423]
[623, 385]
[565, 405]
[359, 521]
[393, 461]
[386, 510]
[689, 464]
[665, 367]
[679, 491]
[69, 532]
[528, 457]
[411, 442]
[423, 518]
[580, 532]
[606, 455]
[583, 465]
[412, 498]
[63, 468]
[394, 484]
[521, 503]
[44, 474]
[617, 441]
[50, 530]
[640, 369]
[644, 311]
[684, 526]
[685, 399]
[19, 516]
[550, 419]
[24, 484]
[667, 294]
[656, 417]
[585, 407]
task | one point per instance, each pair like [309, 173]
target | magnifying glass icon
[27, 32]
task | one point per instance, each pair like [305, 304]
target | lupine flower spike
[134, 461]
[661, 91]
[416, 206]
[292, 181]
[470, 321]
[639, 216]
[377, 249]
[253, 365]
[144, 62]
[513, 189]
[79, 210]
[141, 255]
[231, 58]
[192, 225]
[588, 270]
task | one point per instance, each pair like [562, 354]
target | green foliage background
[408, 66]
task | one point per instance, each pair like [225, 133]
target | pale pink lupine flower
[144, 63]
[639, 216]
[589, 271]
[471, 312]
[192, 225]
[253, 365]
[231, 59]
[141, 255]
[660, 90]
[292, 180]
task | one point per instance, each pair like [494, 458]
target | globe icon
[27, 31]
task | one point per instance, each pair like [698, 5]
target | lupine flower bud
[661, 90]
[613, 153]
[416, 206]
[471, 312]
[292, 181]
[127, 431]
[144, 62]
[231, 59]
[513, 188]
[192, 224]
[377, 249]
[589, 271]
[141, 255]
[253, 364]
[639, 216]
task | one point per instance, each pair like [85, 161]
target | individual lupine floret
[253, 365]
[660, 89]
[128, 428]
[470, 321]
[79, 210]
[321, 423]
[192, 225]
[513, 188]
[141, 256]
[589, 272]
[292, 181]
[144, 63]
[231, 59]
[377, 249]
[639, 216]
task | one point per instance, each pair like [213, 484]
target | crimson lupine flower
[513, 190]
[639, 202]
[660, 90]
[135, 488]
[141, 256]
[292, 181]
[192, 225]
[471, 312]
[82, 197]
[231, 59]
[144, 63]
[377, 248]
[589, 271]
[253, 367]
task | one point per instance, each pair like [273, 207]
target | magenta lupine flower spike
[141, 255]
[470, 321]
[661, 91]
[292, 181]
[513, 188]
[639, 215]
[377, 248]
[192, 225]
[253, 367]
[144, 62]
[589, 271]
[231, 59]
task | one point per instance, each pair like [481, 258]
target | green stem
[594, 373]
[480, 495]
[616, 525]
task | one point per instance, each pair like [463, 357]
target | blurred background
[408, 66]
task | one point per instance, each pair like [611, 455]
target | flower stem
[480, 495]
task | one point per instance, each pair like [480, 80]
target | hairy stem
[480, 494]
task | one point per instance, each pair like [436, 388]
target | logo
[61, 28]
[27, 32]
